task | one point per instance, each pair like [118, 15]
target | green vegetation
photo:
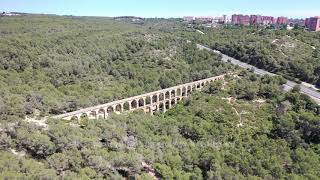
[57, 64]
[294, 54]
[245, 127]
[260, 132]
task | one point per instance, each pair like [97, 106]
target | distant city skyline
[164, 8]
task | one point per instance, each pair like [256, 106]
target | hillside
[56, 64]
[294, 54]
[242, 127]
[245, 128]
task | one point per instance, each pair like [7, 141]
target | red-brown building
[235, 19]
[267, 20]
[282, 20]
[306, 22]
[255, 19]
[239, 19]
[313, 23]
[245, 20]
[252, 20]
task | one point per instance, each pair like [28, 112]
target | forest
[59, 64]
[293, 54]
[244, 127]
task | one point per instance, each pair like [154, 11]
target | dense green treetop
[57, 64]
[294, 54]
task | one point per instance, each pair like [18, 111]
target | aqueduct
[161, 100]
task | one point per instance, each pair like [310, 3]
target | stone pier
[161, 100]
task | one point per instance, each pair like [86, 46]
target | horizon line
[163, 17]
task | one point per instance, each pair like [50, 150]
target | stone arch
[161, 97]
[194, 86]
[167, 95]
[102, 113]
[179, 92]
[168, 105]
[154, 98]
[155, 109]
[184, 91]
[134, 104]
[202, 84]
[173, 102]
[189, 89]
[178, 99]
[162, 107]
[173, 93]
[126, 106]
[141, 102]
[110, 110]
[93, 114]
[118, 108]
[148, 100]
[199, 86]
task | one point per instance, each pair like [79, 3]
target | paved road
[288, 86]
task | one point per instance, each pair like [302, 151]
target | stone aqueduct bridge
[150, 102]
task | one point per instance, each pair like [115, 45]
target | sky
[165, 8]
